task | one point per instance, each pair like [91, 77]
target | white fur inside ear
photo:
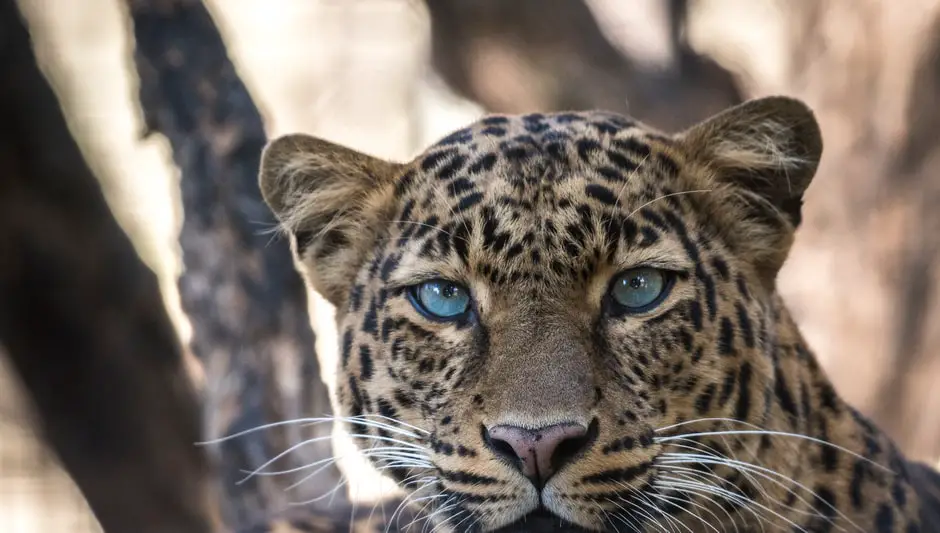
[314, 185]
[762, 146]
[758, 158]
[770, 146]
[323, 207]
[330, 198]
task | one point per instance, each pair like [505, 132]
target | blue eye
[440, 299]
[640, 289]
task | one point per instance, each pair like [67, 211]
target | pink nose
[538, 452]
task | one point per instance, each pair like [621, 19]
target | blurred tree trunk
[911, 406]
[545, 55]
[240, 289]
[84, 323]
[871, 69]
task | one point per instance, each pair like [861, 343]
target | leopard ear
[769, 147]
[759, 158]
[330, 199]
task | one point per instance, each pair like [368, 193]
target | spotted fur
[706, 413]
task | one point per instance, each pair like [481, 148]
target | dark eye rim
[618, 309]
[415, 300]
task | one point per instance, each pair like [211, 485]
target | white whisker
[668, 481]
[468, 517]
[775, 434]
[327, 437]
[329, 494]
[447, 506]
[721, 460]
[394, 464]
[705, 490]
[639, 509]
[617, 515]
[399, 422]
[764, 473]
[696, 476]
[371, 451]
[708, 498]
[652, 520]
[663, 197]
[671, 499]
[716, 455]
[425, 482]
[422, 224]
[322, 420]
[650, 504]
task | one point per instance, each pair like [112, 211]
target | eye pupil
[639, 289]
[440, 300]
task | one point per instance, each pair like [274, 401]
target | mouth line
[542, 520]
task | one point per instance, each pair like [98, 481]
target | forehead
[523, 155]
[553, 188]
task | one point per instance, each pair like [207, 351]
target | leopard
[570, 322]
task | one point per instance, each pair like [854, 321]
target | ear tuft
[769, 147]
[758, 158]
[329, 198]
[303, 177]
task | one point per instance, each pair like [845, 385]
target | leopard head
[524, 308]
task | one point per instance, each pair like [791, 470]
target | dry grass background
[355, 72]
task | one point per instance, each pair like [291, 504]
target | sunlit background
[390, 76]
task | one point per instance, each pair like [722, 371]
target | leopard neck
[834, 466]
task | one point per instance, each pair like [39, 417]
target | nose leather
[536, 448]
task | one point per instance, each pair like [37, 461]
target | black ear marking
[793, 208]
[302, 240]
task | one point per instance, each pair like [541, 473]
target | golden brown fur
[705, 412]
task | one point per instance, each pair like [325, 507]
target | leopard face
[568, 321]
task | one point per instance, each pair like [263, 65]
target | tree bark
[83, 320]
[240, 288]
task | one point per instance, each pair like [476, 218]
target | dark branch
[83, 320]
[549, 55]
[240, 287]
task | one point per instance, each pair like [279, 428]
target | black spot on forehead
[526, 152]
[538, 128]
[461, 136]
[495, 120]
[435, 157]
[513, 171]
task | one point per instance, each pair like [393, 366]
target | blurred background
[170, 102]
